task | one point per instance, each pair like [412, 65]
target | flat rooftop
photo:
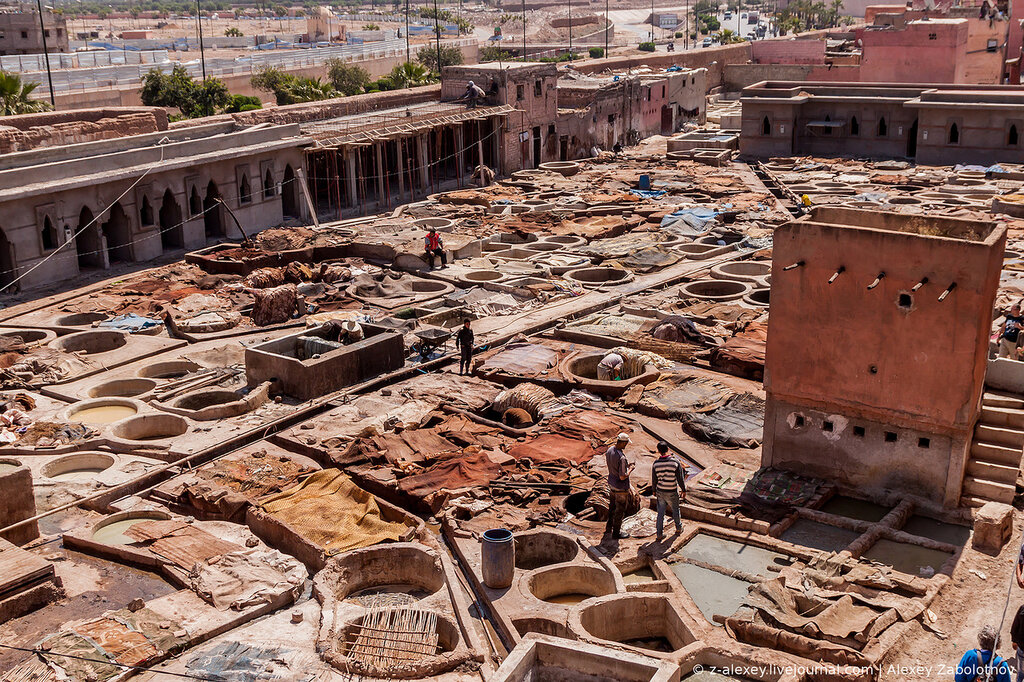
[383, 124]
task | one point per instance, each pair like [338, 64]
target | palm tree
[310, 90]
[409, 75]
[14, 96]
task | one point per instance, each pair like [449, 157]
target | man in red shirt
[433, 245]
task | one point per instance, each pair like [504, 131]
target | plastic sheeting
[333, 513]
[131, 323]
[693, 221]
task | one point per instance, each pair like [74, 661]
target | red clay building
[877, 347]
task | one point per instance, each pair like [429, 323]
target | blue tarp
[647, 193]
[698, 218]
[131, 323]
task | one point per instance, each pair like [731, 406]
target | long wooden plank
[18, 567]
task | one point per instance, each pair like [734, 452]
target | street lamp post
[46, 54]
[652, 21]
[199, 22]
[524, 30]
[607, 25]
[408, 52]
[437, 34]
[570, 29]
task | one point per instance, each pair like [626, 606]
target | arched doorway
[290, 193]
[7, 268]
[89, 243]
[172, 234]
[117, 230]
[912, 140]
[212, 218]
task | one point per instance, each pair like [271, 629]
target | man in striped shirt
[668, 477]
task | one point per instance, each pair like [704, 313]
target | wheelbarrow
[431, 339]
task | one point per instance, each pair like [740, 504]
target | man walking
[433, 245]
[464, 342]
[667, 479]
[619, 470]
[1010, 336]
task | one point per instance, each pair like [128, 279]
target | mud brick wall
[22, 133]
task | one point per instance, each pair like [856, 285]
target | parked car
[709, 41]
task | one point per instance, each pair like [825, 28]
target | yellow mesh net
[331, 511]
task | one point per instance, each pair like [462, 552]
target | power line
[160, 143]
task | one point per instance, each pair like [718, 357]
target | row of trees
[192, 98]
[804, 15]
[196, 98]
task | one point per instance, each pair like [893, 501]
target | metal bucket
[498, 558]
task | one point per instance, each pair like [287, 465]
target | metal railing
[109, 78]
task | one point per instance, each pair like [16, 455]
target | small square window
[24, 35]
[611, 119]
[933, 36]
[537, 89]
[827, 426]
[890, 436]
[858, 431]
[924, 442]
[799, 421]
[520, 92]
[551, 129]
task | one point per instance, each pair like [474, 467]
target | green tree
[233, 32]
[304, 89]
[596, 52]
[347, 78]
[646, 47]
[727, 37]
[237, 103]
[371, 27]
[14, 96]
[271, 79]
[450, 56]
[493, 53]
[178, 89]
[289, 89]
[409, 75]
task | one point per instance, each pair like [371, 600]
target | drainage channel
[787, 198]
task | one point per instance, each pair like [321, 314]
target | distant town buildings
[20, 33]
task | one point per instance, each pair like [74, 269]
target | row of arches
[100, 243]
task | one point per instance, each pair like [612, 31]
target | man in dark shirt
[1017, 639]
[1009, 339]
[667, 478]
[619, 469]
[464, 342]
